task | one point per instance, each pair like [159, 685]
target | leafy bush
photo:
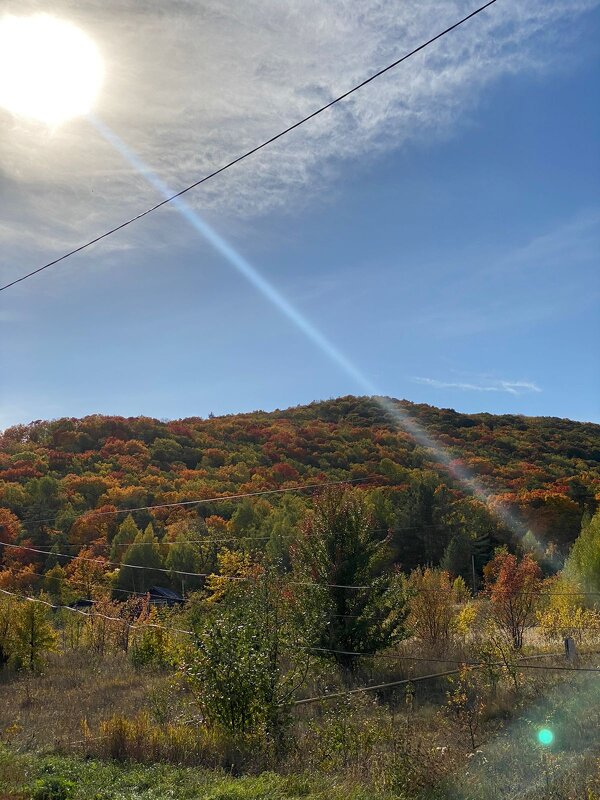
[52, 788]
[152, 648]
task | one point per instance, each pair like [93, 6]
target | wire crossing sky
[251, 274]
[170, 196]
[434, 229]
[398, 416]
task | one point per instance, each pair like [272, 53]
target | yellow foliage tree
[432, 608]
[233, 568]
[34, 634]
[564, 614]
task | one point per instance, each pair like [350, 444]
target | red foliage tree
[513, 587]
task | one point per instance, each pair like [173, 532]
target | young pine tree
[338, 550]
[457, 557]
[184, 556]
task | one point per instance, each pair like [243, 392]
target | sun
[49, 69]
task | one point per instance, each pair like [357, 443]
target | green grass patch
[33, 776]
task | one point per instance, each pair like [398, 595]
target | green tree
[166, 451]
[55, 586]
[184, 556]
[457, 556]
[251, 655]
[248, 518]
[142, 565]
[416, 520]
[530, 544]
[583, 494]
[34, 635]
[125, 536]
[65, 518]
[428, 501]
[282, 527]
[41, 511]
[190, 548]
[583, 563]
[339, 551]
[473, 520]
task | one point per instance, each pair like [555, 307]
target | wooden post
[570, 649]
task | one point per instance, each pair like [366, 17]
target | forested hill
[54, 474]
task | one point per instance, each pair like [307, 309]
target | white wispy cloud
[191, 83]
[524, 285]
[573, 241]
[483, 385]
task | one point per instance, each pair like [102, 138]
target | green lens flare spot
[545, 737]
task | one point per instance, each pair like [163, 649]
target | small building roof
[165, 594]
[82, 602]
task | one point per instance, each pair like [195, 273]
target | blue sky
[449, 249]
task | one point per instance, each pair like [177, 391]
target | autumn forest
[340, 615]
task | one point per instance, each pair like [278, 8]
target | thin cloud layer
[483, 385]
[190, 84]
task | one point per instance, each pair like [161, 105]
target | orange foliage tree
[9, 527]
[87, 575]
[513, 587]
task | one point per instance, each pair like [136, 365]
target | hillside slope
[53, 475]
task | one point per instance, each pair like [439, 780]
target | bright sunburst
[49, 69]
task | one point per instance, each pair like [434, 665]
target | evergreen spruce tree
[41, 511]
[483, 550]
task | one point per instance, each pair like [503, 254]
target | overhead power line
[402, 657]
[218, 499]
[471, 664]
[391, 684]
[419, 678]
[106, 562]
[211, 539]
[463, 662]
[70, 581]
[311, 584]
[252, 151]
[93, 614]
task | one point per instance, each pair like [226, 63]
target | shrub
[52, 788]
[152, 648]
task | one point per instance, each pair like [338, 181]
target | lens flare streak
[251, 274]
